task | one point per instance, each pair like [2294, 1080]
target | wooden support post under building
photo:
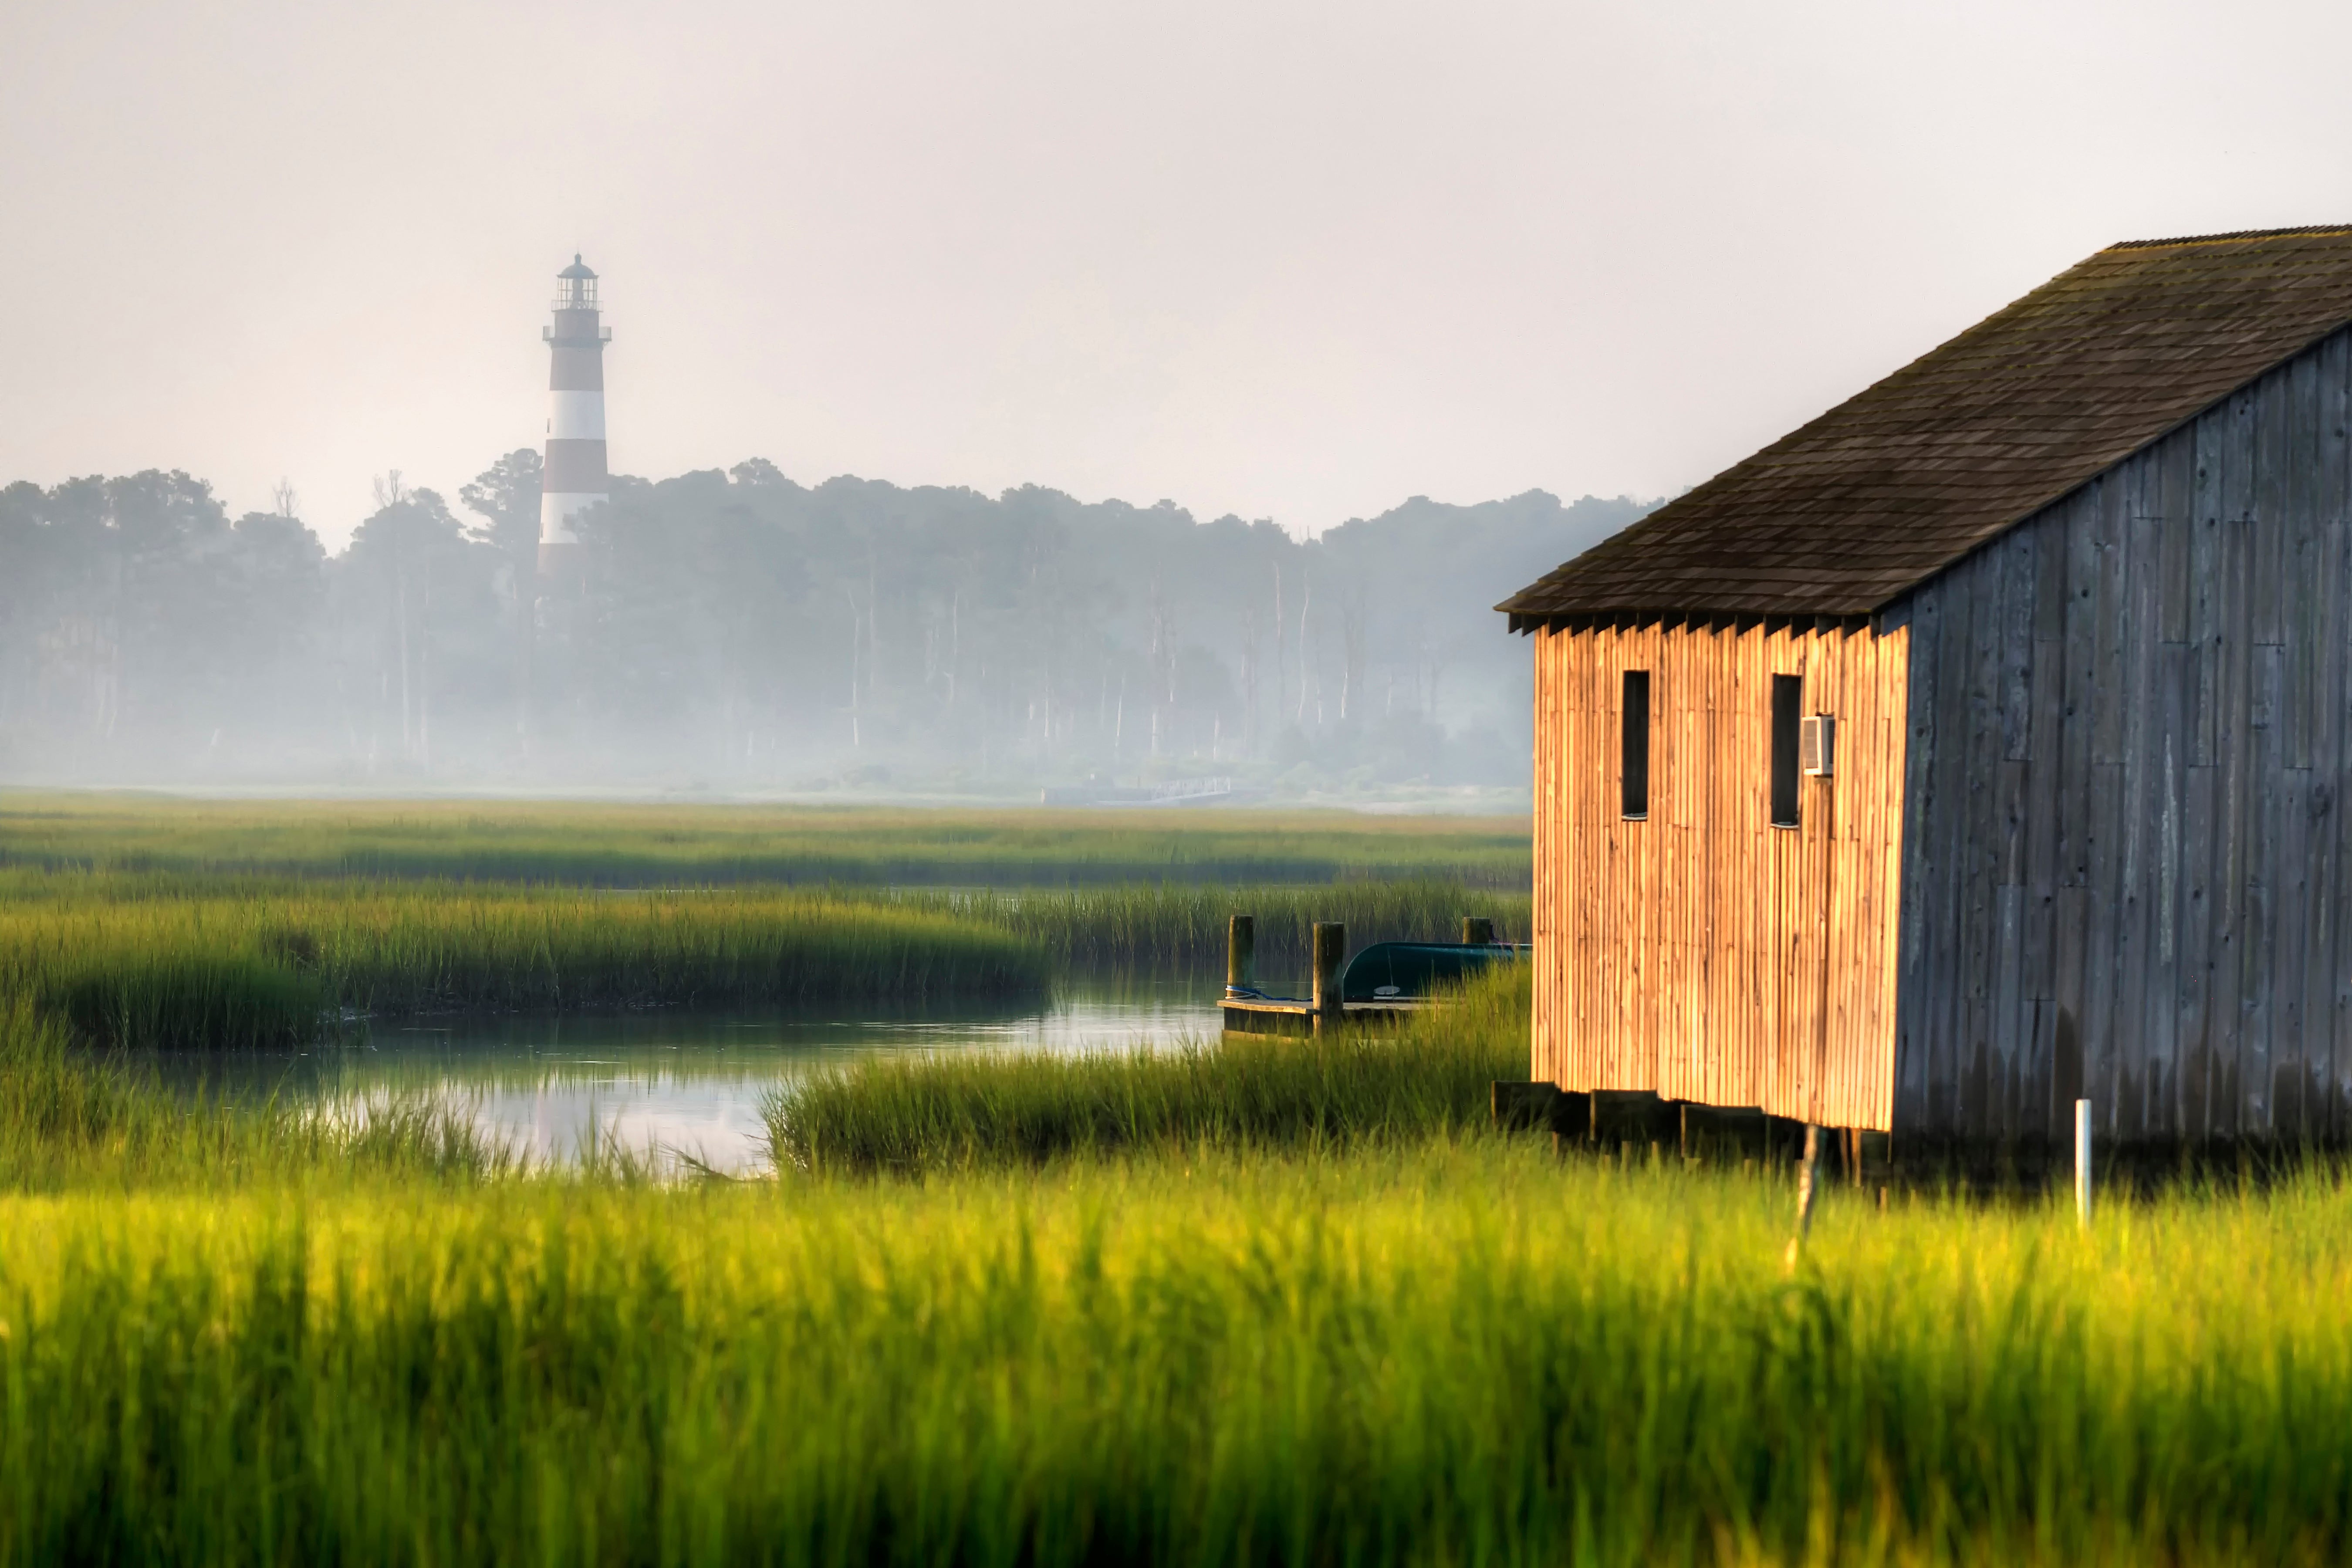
[1806, 1170]
[1330, 953]
[1476, 931]
[1241, 953]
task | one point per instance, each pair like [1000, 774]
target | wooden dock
[1249, 1011]
[1287, 1016]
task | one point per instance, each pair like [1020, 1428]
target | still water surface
[677, 1081]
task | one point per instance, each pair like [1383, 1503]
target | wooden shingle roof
[1843, 516]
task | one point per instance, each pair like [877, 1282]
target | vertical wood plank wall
[1703, 953]
[2127, 873]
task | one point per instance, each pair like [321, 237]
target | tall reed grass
[1450, 1354]
[962, 1110]
[621, 845]
[263, 966]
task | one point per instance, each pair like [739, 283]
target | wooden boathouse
[1982, 745]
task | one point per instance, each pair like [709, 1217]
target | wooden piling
[1330, 955]
[1241, 952]
[1477, 931]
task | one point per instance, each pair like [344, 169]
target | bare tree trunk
[400, 616]
[1281, 680]
[1249, 680]
[1351, 645]
[526, 629]
[109, 657]
[856, 741]
[424, 698]
[1305, 603]
[1159, 652]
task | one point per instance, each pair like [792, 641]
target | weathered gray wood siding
[2125, 864]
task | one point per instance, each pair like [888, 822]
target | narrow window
[1788, 694]
[1633, 750]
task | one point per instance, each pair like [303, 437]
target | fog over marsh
[741, 633]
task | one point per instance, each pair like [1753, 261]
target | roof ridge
[1859, 505]
[2234, 234]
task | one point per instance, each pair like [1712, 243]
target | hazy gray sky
[1296, 260]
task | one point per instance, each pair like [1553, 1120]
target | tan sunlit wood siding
[1703, 953]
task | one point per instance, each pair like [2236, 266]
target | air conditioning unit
[1816, 745]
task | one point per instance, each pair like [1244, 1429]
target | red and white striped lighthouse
[574, 476]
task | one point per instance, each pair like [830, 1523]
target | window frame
[1634, 747]
[1785, 805]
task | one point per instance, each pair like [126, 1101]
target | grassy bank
[658, 846]
[72, 1120]
[963, 1110]
[1452, 1352]
[222, 964]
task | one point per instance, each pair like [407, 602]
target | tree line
[745, 631]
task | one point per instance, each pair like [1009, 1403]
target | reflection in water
[677, 1081]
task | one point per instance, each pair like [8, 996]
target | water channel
[673, 1082]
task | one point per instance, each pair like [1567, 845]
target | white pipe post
[1806, 1169]
[2082, 1162]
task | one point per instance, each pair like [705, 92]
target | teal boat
[1410, 971]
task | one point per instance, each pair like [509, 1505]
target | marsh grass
[220, 960]
[71, 1118]
[222, 964]
[619, 845]
[1448, 1351]
[965, 1110]
[1278, 1301]
[157, 923]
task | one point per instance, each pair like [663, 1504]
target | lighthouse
[574, 476]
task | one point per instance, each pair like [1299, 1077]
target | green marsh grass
[1462, 1350]
[70, 1119]
[224, 959]
[1280, 1301]
[952, 1111]
[618, 845]
[224, 964]
[156, 922]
